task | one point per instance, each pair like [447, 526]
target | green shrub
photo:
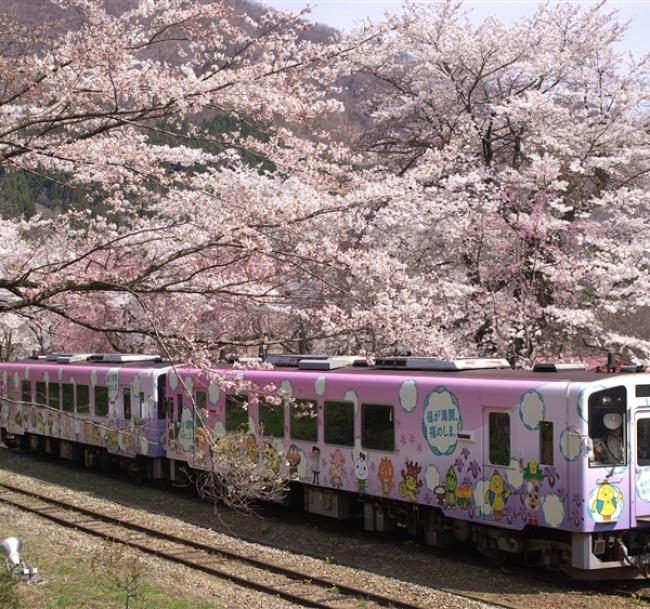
[9, 598]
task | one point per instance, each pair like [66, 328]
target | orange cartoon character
[385, 475]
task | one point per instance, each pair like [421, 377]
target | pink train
[553, 462]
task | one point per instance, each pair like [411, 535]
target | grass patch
[79, 578]
[9, 596]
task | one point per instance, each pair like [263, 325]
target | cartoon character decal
[201, 444]
[124, 438]
[40, 423]
[607, 504]
[410, 485]
[293, 459]
[67, 427]
[361, 471]
[95, 434]
[440, 495]
[385, 476]
[186, 432]
[315, 464]
[111, 439]
[464, 496]
[33, 418]
[337, 463]
[173, 430]
[497, 494]
[533, 500]
[272, 455]
[451, 482]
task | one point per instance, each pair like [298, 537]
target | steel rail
[158, 552]
[326, 583]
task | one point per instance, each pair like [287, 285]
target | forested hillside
[22, 195]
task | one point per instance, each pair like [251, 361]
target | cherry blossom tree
[189, 235]
[495, 203]
[524, 158]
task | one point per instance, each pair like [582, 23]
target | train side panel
[479, 452]
[115, 408]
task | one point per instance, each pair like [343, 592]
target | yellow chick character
[607, 501]
[497, 494]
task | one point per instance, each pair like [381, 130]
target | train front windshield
[607, 426]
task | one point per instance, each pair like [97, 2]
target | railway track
[297, 587]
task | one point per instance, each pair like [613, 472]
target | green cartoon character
[450, 486]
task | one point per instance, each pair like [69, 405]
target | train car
[552, 463]
[95, 407]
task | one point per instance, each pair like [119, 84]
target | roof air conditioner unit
[329, 363]
[558, 366]
[123, 358]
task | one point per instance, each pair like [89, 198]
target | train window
[126, 402]
[201, 400]
[339, 423]
[179, 407]
[271, 418]
[607, 426]
[642, 391]
[303, 424]
[54, 396]
[26, 392]
[41, 393]
[83, 399]
[101, 401]
[138, 411]
[377, 427]
[546, 442]
[643, 442]
[499, 438]
[236, 413]
[9, 391]
[67, 395]
[608, 400]
[161, 397]
[169, 408]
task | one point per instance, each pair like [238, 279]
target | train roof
[142, 365]
[501, 374]
[497, 371]
[584, 376]
[474, 368]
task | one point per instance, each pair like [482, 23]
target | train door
[201, 437]
[497, 449]
[641, 461]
